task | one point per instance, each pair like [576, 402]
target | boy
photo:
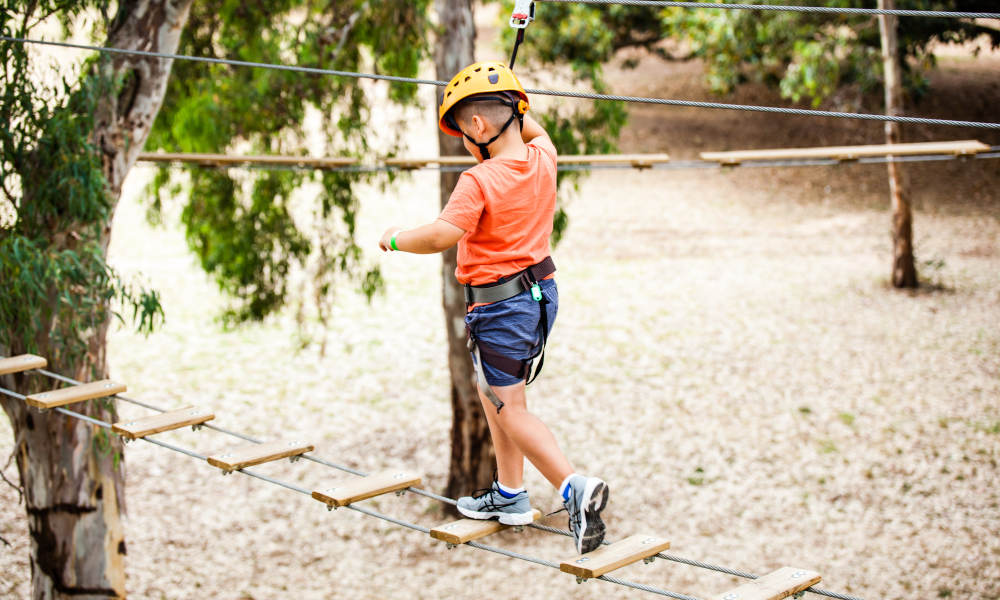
[500, 215]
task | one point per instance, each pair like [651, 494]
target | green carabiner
[536, 292]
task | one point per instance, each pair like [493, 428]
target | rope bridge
[617, 554]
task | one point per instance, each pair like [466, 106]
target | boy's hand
[387, 238]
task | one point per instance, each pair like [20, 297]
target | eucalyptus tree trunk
[472, 458]
[904, 272]
[70, 471]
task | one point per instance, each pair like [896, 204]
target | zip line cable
[804, 9]
[556, 93]
[307, 456]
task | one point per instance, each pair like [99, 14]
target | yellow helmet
[479, 78]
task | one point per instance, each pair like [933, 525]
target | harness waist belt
[495, 292]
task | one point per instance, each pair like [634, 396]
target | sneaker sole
[504, 518]
[596, 492]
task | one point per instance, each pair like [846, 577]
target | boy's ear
[478, 125]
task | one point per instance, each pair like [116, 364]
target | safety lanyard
[524, 13]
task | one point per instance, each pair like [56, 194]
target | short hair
[494, 112]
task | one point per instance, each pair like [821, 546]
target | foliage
[55, 204]
[808, 56]
[246, 228]
[812, 55]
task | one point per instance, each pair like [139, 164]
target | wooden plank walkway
[361, 488]
[785, 582]
[255, 454]
[466, 530]
[76, 393]
[21, 362]
[957, 148]
[614, 556]
[158, 423]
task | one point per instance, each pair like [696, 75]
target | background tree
[812, 57]
[66, 151]
[240, 224]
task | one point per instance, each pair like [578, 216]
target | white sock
[564, 487]
[509, 490]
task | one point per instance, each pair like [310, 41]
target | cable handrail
[555, 93]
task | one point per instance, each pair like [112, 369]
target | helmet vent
[494, 77]
[478, 69]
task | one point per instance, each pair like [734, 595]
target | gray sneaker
[490, 504]
[587, 498]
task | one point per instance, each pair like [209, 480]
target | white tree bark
[73, 492]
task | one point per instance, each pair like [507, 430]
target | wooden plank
[174, 419]
[76, 393]
[255, 454]
[225, 159]
[21, 362]
[360, 488]
[957, 148]
[464, 530]
[776, 585]
[608, 558]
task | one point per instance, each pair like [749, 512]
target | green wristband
[392, 242]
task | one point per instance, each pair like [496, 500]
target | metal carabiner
[524, 13]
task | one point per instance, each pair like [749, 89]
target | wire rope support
[556, 93]
[950, 14]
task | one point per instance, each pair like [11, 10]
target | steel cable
[561, 94]
[789, 8]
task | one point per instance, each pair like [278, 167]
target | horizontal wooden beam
[361, 488]
[956, 148]
[76, 393]
[614, 556]
[255, 454]
[636, 160]
[466, 530]
[785, 582]
[227, 159]
[158, 423]
[21, 362]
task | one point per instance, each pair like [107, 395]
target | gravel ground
[728, 356]
[729, 359]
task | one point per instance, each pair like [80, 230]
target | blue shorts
[511, 327]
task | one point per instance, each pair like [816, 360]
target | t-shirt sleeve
[465, 204]
[544, 144]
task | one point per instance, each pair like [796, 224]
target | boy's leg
[584, 497]
[530, 437]
[510, 459]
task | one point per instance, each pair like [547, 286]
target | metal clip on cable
[524, 13]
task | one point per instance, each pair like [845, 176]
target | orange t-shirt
[506, 207]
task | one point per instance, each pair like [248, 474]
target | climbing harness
[490, 81]
[527, 280]
[524, 13]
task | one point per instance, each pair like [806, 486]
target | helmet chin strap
[484, 149]
[484, 146]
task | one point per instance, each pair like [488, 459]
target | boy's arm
[426, 239]
[531, 129]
